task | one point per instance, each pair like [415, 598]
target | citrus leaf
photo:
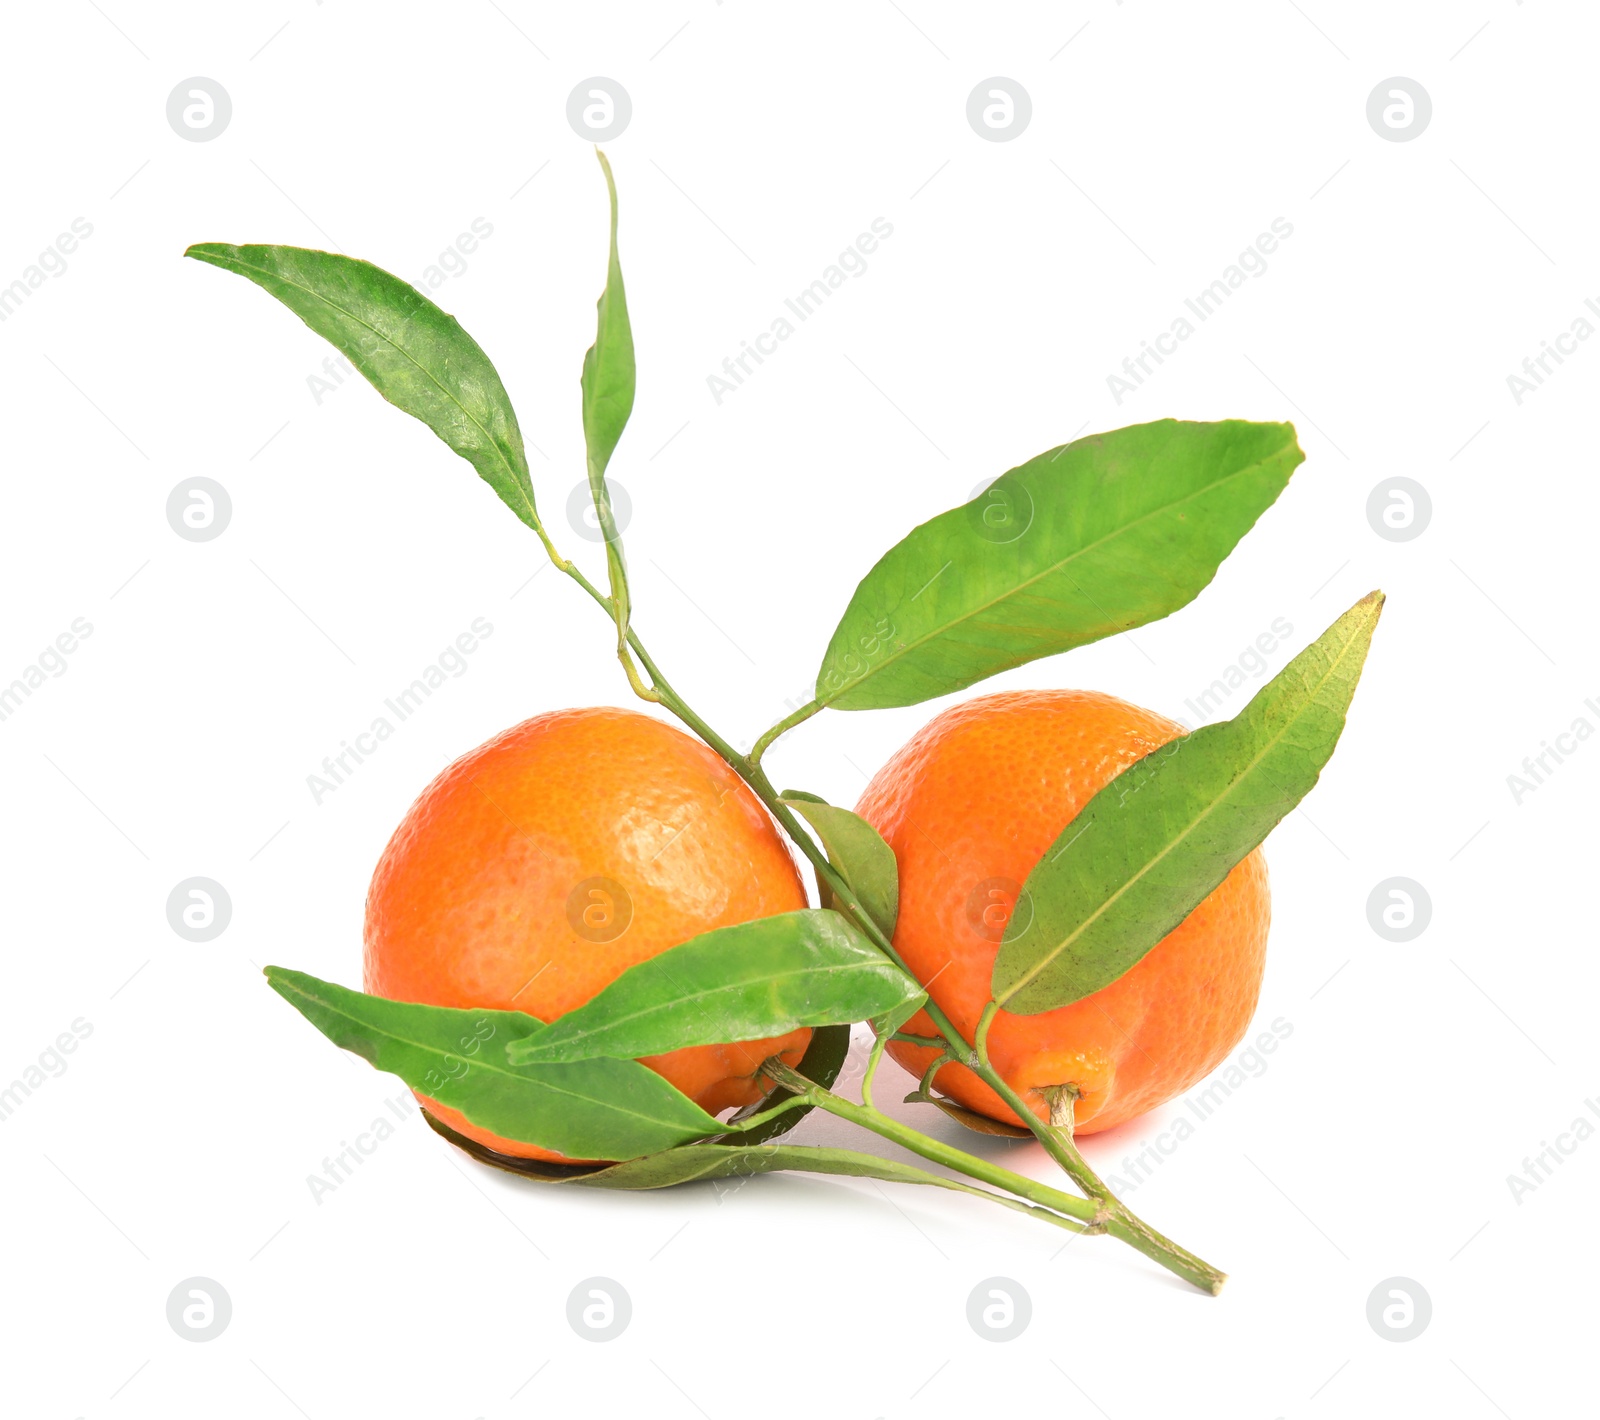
[971, 1119]
[692, 1163]
[891, 1021]
[607, 1109]
[745, 982]
[1087, 540]
[414, 354]
[609, 378]
[822, 1062]
[1150, 846]
[859, 853]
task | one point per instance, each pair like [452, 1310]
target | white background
[1164, 138]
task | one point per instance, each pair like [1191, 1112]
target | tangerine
[536, 869]
[970, 804]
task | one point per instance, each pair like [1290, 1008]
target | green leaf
[599, 1109]
[971, 1119]
[692, 1163]
[823, 1060]
[857, 850]
[891, 1021]
[745, 982]
[608, 390]
[1148, 848]
[417, 357]
[1090, 539]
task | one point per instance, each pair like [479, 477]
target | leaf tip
[1295, 451]
[611, 181]
[282, 980]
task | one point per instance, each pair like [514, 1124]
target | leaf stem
[1095, 1216]
[1057, 1143]
[925, 1084]
[804, 713]
[874, 1059]
[911, 1174]
[935, 1150]
[751, 1121]
[1105, 1208]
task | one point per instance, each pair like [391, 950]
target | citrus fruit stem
[1105, 1212]
[925, 1084]
[1092, 1216]
[874, 1059]
[927, 1041]
[751, 1121]
[800, 716]
[1105, 1208]
[1056, 1138]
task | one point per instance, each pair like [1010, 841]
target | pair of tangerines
[473, 902]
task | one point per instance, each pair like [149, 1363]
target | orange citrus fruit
[969, 806]
[536, 869]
